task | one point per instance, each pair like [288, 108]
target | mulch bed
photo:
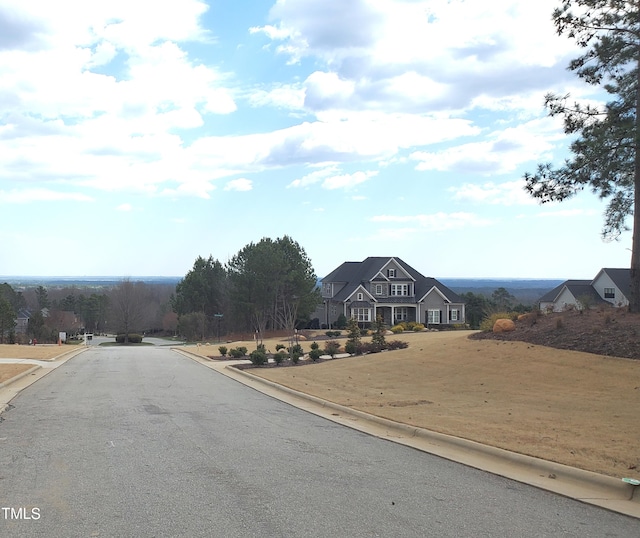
[609, 331]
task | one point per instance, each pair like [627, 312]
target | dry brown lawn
[7, 371]
[570, 407]
[40, 352]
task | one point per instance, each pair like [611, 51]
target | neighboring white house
[609, 286]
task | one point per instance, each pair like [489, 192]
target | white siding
[603, 281]
[565, 300]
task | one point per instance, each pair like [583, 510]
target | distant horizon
[179, 277]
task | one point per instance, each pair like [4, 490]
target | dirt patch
[7, 371]
[571, 407]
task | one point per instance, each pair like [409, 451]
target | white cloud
[347, 181]
[314, 177]
[419, 54]
[240, 184]
[280, 96]
[508, 193]
[41, 195]
[569, 213]
[125, 208]
[500, 152]
[437, 222]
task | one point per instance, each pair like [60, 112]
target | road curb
[9, 390]
[19, 376]
[592, 488]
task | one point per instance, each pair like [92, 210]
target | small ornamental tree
[353, 340]
[378, 341]
[331, 348]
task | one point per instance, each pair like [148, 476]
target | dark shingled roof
[353, 274]
[621, 278]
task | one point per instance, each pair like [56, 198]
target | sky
[138, 135]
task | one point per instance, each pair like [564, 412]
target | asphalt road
[143, 442]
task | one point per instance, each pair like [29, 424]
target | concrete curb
[19, 376]
[12, 387]
[585, 486]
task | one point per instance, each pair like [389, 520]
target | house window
[360, 296]
[378, 289]
[326, 288]
[400, 289]
[361, 314]
[391, 273]
[433, 316]
[402, 313]
[334, 310]
[454, 315]
[609, 293]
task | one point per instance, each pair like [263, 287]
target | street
[144, 442]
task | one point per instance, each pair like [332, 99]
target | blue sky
[138, 135]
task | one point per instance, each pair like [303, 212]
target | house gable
[434, 289]
[360, 294]
[395, 271]
[613, 285]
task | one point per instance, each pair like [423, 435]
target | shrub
[352, 347]
[418, 327]
[373, 347]
[296, 349]
[236, 353]
[279, 357]
[397, 344]
[487, 323]
[333, 334]
[341, 322]
[133, 338]
[397, 329]
[243, 349]
[331, 348]
[315, 354]
[315, 345]
[280, 346]
[223, 350]
[258, 358]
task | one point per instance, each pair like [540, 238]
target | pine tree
[605, 151]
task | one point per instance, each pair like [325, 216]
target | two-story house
[390, 288]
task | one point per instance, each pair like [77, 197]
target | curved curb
[19, 376]
[585, 486]
[7, 389]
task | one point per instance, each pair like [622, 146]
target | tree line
[268, 285]
[76, 310]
